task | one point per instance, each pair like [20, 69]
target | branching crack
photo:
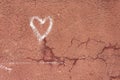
[114, 47]
[49, 56]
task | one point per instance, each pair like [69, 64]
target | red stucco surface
[84, 43]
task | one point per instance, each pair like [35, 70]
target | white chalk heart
[42, 21]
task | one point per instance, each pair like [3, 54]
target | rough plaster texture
[84, 43]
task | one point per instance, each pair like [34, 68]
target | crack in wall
[49, 56]
[85, 42]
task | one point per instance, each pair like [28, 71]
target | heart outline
[42, 21]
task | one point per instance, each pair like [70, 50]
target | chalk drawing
[41, 62]
[42, 21]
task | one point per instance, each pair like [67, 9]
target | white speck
[59, 71]
[58, 14]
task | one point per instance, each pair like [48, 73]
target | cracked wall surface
[84, 43]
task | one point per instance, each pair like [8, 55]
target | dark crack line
[114, 47]
[49, 56]
[85, 42]
[75, 60]
[72, 40]
[114, 77]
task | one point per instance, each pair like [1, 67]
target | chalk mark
[42, 21]
[5, 68]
